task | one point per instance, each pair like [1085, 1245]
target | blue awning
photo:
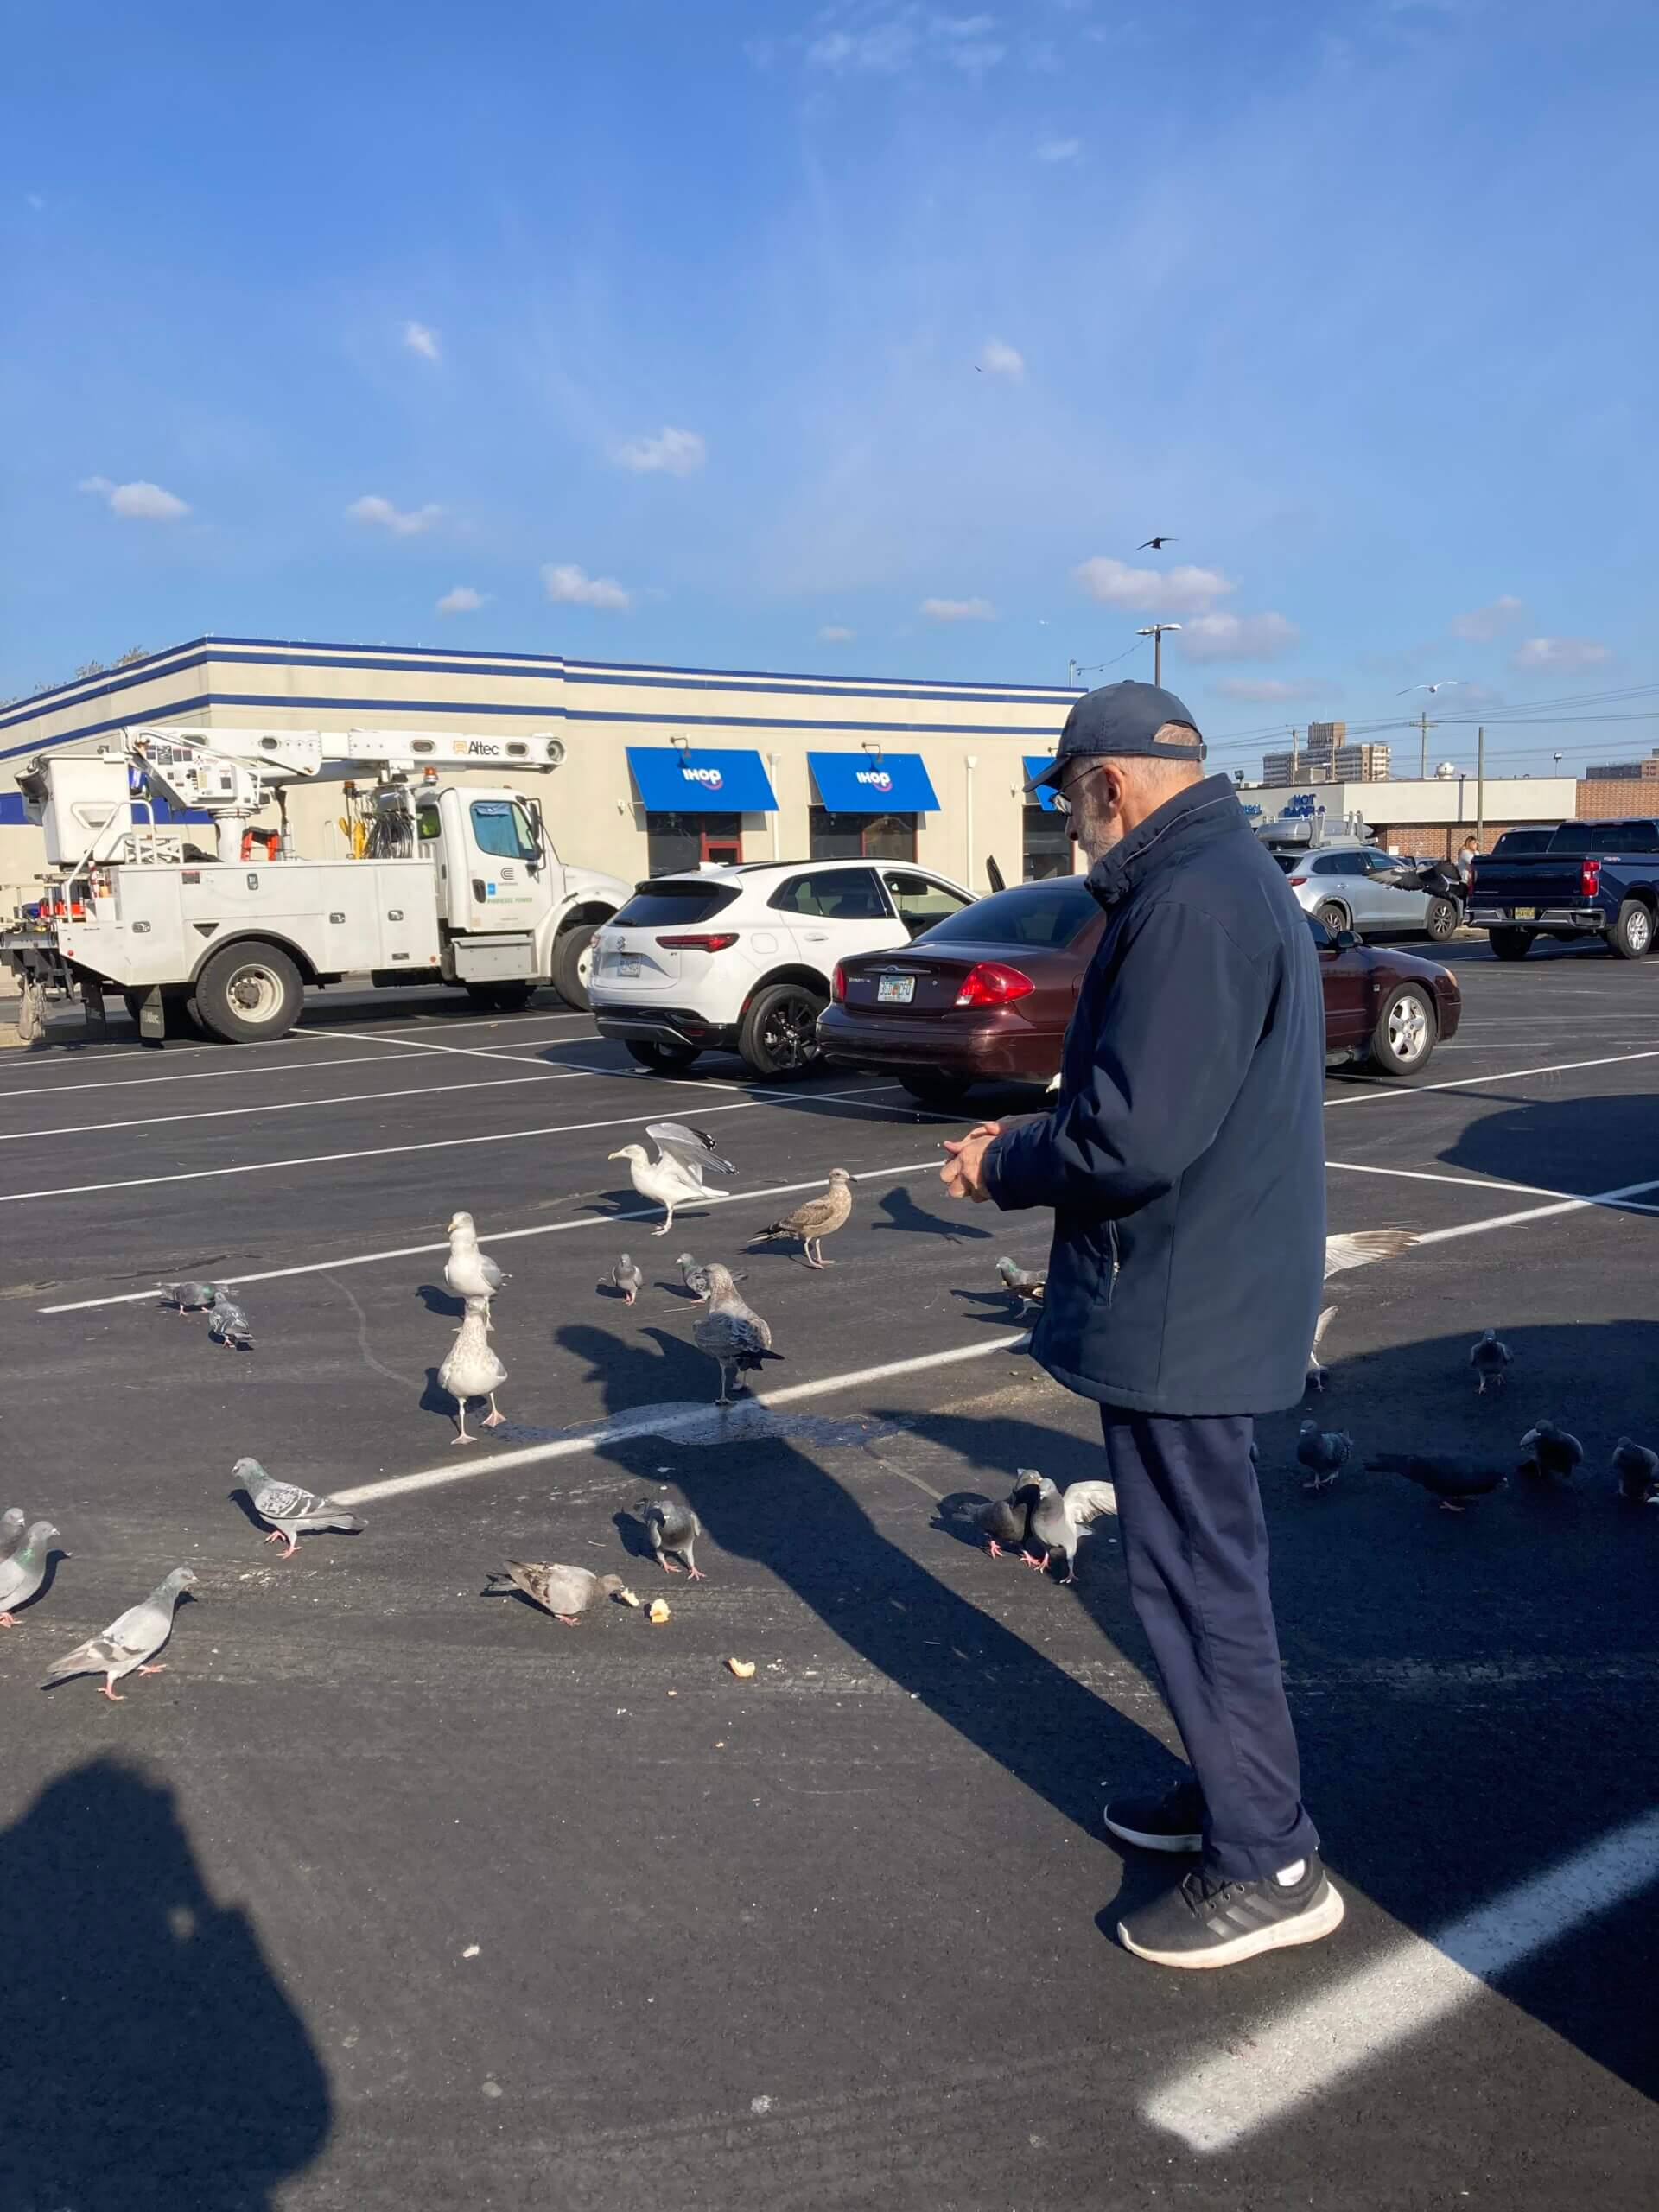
[1035, 764]
[692, 782]
[869, 782]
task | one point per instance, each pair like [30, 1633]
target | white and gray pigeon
[1552, 1452]
[228, 1323]
[565, 1591]
[1362, 1246]
[131, 1643]
[1060, 1519]
[1323, 1453]
[470, 1369]
[731, 1332]
[22, 1573]
[679, 1175]
[1027, 1284]
[1490, 1358]
[291, 1512]
[628, 1277]
[1638, 1469]
[468, 1271]
[673, 1526]
[188, 1297]
[695, 1278]
[1316, 1371]
[11, 1531]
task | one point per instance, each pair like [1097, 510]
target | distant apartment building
[1326, 756]
[1619, 772]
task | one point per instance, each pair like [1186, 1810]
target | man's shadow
[152, 2061]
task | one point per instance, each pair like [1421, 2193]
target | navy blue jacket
[1185, 1153]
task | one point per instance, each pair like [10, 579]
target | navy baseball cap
[1119, 722]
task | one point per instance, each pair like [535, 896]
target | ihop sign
[710, 779]
[877, 779]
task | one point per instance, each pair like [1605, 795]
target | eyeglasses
[1062, 802]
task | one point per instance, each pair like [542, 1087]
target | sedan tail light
[1589, 879]
[838, 984]
[989, 983]
[700, 943]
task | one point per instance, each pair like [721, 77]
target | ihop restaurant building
[664, 767]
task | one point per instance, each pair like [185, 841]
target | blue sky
[866, 337]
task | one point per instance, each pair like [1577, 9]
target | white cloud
[975, 57]
[884, 51]
[1561, 656]
[1180, 590]
[422, 339]
[1236, 637]
[958, 610]
[834, 633]
[888, 48]
[1059, 149]
[135, 502]
[998, 359]
[569, 586]
[462, 600]
[402, 522]
[675, 452]
[1482, 624]
[1268, 690]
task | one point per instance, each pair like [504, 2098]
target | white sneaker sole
[1187, 1843]
[1321, 1918]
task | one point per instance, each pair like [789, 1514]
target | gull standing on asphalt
[677, 1177]
[470, 1369]
[468, 1272]
[130, 1643]
[731, 1332]
[815, 1218]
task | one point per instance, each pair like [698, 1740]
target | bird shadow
[953, 1516]
[48, 1579]
[435, 1399]
[905, 1212]
[244, 1503]
[635, 1537]
[438, 1300]
[612, 1291]
[676, 1371]
[998, 1310]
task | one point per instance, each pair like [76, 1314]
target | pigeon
[23, 1571]
[470, 1272]
[564, 1591]
[1315, 1369]
[1488, 1358]
[291, 1512]
[1005, 1523]
[188, 1297]
[1446, 1475]
[1027, 1284]
[731, 1332]
[1059, 1519]
[470, 1369]
[1323, 1453]
[1638, 1469]
[815, 1218]
[11, 1531]
[1156, 544]
[676, 1177]
[1554, 1453]
[131, 1642]
[228, 1323]
[1364, 1245]
[628, 1277]
[673, 1527]
[695, 1278]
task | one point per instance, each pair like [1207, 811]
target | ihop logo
[877, 778]
[710, 779]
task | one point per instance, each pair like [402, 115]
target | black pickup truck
[1581, 879]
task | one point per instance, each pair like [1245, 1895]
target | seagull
[1323, 1453]
[673, 1527]
[129, 1643]
[815, 1218]
[674, 1178]
[1157, 544]
[1445, 683]
[628, 1277]
[470, 1369]
[1553, 1450]
[1488, 1358]
[1364, 1245]
[731, 1332]
[291, 1512]
[1638, 1469]
[1315, 1369]
[1446, 1475]
[1060, 1519]
[564, 1591]
[23, 1571]
[468, 1272]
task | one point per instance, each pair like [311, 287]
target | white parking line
[73, 1090]
[1611, 1199]
[647, 1421]
[420, 1045]
[393, 1033]
[506, 1053]
[1273, 2069]
[1474, 1082]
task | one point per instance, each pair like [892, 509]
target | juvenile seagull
[228, 1323]
[1446, 1475]
[815, 1218]
[1315, 1369]
[1323, 1453]
[1553, 1452]
[731, 1332]
[22, 1573]
[1489, 1357]
[1364, 1245]
[1638, 1469]
[673, 1527]
[470, 1369]
[128, 1643]
[468, 1272]
[1026, 1284]
[291, 1512]
[676, 1178]
[564, 1591]
[188, 1297]
[628, 1277]
[1060, 1520]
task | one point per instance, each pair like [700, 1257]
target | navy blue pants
[1196, 1548]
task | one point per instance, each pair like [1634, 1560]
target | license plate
[1525, 913]
[896, 990]
[627, 964]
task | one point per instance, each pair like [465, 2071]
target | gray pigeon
[291, 1512]
[188, 1297]
[695, 1278]
[1323, 1453]
[1026, 1284]
[228, 1323]
[1552, 1452]
[11, 1531]
[628, 1277]
[22, 1573]
[129, 1643]
[1005, 1523]
[1059, 1520]
[565, 1591]
[731, 1332]
[673, 1527]
[1448, 1476]
[1638, 1469]
[1490, 1358]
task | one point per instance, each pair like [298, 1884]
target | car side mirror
[1346, 940]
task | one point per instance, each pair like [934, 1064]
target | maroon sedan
[985, 997]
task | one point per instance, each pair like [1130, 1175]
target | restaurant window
[676, 842]
[1047, 848]
[861, 837]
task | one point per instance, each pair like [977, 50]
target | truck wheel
[1631, 936]
[249, 992]
[1511, 945]
[936, 1089]
[1405, 1032]
[500, 998]
[1441, 919]
[573, 964]
[1335, 917]
[779, 1039]
[662, 1059]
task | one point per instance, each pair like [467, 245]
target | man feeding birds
[1188, 1116]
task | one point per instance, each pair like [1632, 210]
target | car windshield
[1050, 913]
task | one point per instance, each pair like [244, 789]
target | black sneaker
[1172, 1822]
[1211, 1923]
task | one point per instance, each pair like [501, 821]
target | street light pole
[1480, 785]
[1155, 632]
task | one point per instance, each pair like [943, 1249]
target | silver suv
[1351, 885]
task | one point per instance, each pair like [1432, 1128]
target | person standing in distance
[1184, 1158]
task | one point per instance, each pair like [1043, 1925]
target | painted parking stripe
[1272, 2070]
[1489, 1183]
[1611, 1199]
[498, 1052]
[313, 1062]
[1473, 1083]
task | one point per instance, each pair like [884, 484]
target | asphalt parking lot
[387, 1893]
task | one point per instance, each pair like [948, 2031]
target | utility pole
[1155, 632]
[1294, 757]
[1480, 785]
[1422, 760]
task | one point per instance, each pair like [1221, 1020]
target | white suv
[740, 959]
